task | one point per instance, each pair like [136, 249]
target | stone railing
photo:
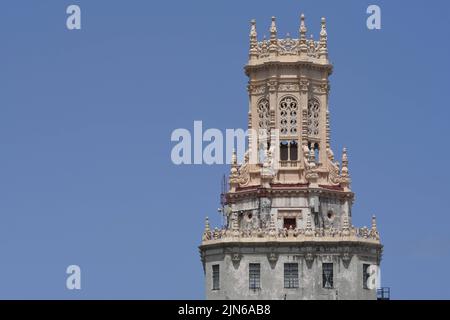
[289, 163]
[288, 46]
[260, 235]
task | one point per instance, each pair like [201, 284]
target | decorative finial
[374, 231]
[345, 176]
[312, 45]
[253, 40]
[344, 170]
[323, 40]
[264, 44]
[302, 24]
[233, 157]
[207, 226]
[273, 48]
[207, 232]
[273, 28]
[253, 28]
[302, 31]
[374, 222]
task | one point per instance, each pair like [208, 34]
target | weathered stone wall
[234, 272]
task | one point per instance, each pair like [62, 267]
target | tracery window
[288, 115]
[313, 117]
[263, 113]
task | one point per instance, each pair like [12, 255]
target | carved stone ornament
[288, 87]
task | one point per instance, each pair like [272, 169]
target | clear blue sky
[86, 118]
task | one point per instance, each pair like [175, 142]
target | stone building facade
[288, 232]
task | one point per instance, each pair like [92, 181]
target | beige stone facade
[290, 201]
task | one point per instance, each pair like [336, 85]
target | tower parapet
[288, 49]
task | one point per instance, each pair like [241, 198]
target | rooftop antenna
[223, 198]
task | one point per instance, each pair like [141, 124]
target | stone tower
[288, 231]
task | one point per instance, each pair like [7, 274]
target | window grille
[291, 275]
[327, 275]
[254, 276]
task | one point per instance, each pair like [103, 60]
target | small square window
[290, 223]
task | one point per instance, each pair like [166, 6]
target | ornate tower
[288, 231]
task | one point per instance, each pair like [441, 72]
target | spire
[323, 51]
[273, 37]
[253, 40]
[302, 32]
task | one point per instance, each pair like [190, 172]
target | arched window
[313, 117]
[263, 114]
[293, 151]
[288, 115]
[284, 150]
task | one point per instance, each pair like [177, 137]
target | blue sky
[86, 118]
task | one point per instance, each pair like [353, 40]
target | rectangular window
[365, 275]
[254, 276]
[215, 277]
[291, 275]
[289, 223]
[327, 275]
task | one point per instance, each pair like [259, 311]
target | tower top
[288, 49]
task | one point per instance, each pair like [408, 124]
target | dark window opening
[215, 277]
[289, 222]
[316, 152]
[330, 214]
[293, 151]
[284, 151]
[254, 276]
[327, 275]
[366, 275]
[291, 275]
